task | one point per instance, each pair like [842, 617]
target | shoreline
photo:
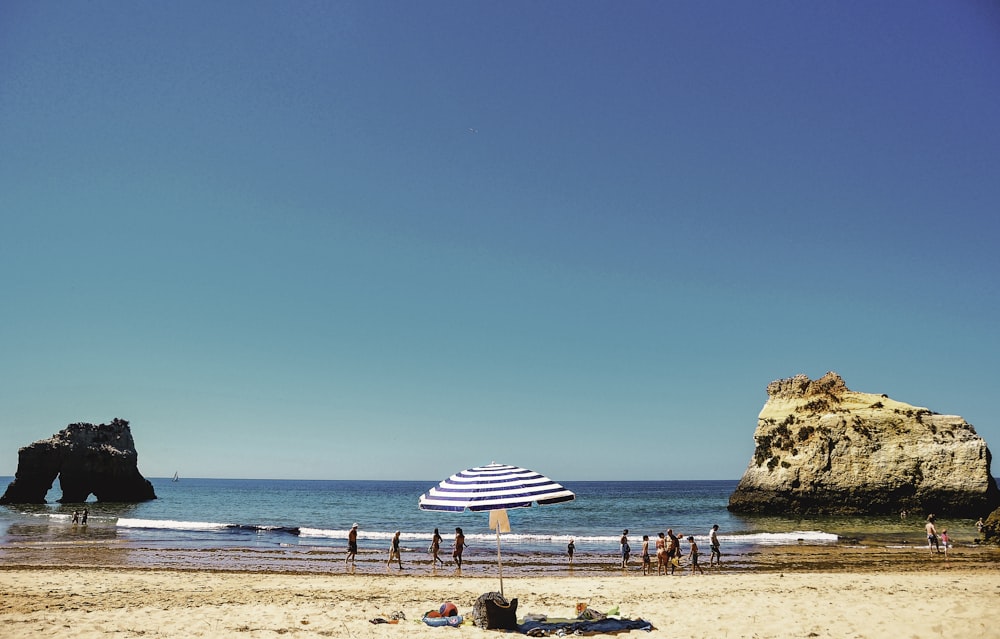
[845, 556]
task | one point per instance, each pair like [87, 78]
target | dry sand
[918, 598]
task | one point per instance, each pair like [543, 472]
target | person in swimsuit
[352, 544]
[713, 541]
[661, 555]
[645, 554]
[394, 551]
[436, 548]
[673, 550]
[456, 553]
[932, 538]
[625, 549]
[693, 556]
[570, 549]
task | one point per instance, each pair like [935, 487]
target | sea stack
[822, 448]
[88, 459]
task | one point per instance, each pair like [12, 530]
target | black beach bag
[493, 612]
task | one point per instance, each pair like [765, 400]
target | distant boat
[176, 478]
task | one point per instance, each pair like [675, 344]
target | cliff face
[88, 459]
[822, 448]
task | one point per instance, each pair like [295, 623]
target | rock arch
[88, 459]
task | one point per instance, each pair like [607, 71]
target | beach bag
[493, 612]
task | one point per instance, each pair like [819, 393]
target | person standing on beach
[394, 551]
[932, 538]
[673, 550]
[693, 556]
[645, 554]
[661, 555]
[570, 549]
[625, 549]
[83, 518]
[979, 525]
[456, 554]
[713, 542]
[352, 544]
[944, 542]
[435, 548]
[76, 517]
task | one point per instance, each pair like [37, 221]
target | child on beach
[645, 554]
[944, 542]
[693, 556]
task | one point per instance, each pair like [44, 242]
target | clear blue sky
[397, 239]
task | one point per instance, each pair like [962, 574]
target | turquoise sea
[302, 525]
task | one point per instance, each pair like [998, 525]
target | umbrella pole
[499, 563]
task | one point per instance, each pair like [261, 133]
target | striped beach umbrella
[495, 488]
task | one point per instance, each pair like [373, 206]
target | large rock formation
[87, 459]
[822, 448]
[991, 528]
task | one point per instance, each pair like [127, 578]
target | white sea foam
[168, 524]
[779, 539]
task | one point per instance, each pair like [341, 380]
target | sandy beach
[830, 592]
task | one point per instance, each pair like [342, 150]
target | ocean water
[303, 525]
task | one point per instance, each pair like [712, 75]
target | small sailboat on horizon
[176, 478]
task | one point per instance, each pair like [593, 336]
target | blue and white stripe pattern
[493, 487]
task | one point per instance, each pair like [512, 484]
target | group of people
[394, 548]
[668, 552]
[77, 518]
[935, 540]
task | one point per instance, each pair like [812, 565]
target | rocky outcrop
[991, 528]
[822, 448]
[88, 459]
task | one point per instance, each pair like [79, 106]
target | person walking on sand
[645, 554]
[436, 548]
[352, 544]
[570, 549]
[456, 554]
[394, 551]
[713, 542]
[626, 550]
[661, 555]
[693, 556]
[932, 538]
